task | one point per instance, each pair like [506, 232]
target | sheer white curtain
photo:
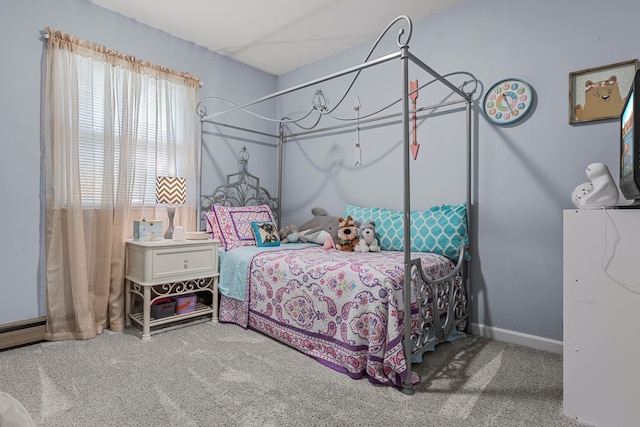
[112, 124]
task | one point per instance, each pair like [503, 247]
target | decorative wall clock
[508, 101]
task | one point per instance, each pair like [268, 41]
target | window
[113, 101]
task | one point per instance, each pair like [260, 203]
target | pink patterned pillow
[232, 225]
[210, 218]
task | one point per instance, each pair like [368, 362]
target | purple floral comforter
[345, 309]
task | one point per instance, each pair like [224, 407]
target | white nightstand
[168, 268]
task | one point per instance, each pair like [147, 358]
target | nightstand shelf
[168, 268]
[201, 309]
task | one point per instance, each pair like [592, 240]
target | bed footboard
[442, 308]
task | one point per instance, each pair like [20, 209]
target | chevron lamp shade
[171, 190]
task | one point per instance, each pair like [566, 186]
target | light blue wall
[525, 173]
[21, 50]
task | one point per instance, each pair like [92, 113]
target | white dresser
[601, 343]
[168, 268]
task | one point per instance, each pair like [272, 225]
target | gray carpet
[211, 374]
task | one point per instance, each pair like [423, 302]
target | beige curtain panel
[112, 124]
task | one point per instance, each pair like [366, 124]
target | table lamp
[172, 191]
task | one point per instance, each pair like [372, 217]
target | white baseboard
[532, 341]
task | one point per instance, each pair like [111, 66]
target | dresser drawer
[183, 263]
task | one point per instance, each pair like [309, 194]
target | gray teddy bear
[368, 240]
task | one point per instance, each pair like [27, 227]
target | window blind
[119, 112]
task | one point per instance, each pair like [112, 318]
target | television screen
[627, 138]
[630, 145]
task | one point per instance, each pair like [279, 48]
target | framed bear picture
[599, 93]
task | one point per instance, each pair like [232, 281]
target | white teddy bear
[368, 241]
[600, 192]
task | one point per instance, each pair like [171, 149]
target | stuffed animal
[604, 193]
[368, 241]
[321, 229]
[291, 234]
[347, 234]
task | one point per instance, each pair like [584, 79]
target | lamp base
[171, 211]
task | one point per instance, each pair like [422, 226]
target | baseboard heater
[23, 332]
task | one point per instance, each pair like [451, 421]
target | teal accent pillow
[266, 233]
[441, 229]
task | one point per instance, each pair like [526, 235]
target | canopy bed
[346, 309]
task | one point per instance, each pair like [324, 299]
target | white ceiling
[275, 36]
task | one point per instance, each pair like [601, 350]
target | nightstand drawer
[183, 263]
[150, 263]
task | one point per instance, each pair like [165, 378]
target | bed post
[280, 163]
[407, 385]
[199, 219]
[470, 180]
[469, 163]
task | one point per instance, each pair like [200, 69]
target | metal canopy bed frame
[243, 188]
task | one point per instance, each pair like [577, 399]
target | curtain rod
[45, 36]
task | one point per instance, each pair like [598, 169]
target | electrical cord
[605, 263]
